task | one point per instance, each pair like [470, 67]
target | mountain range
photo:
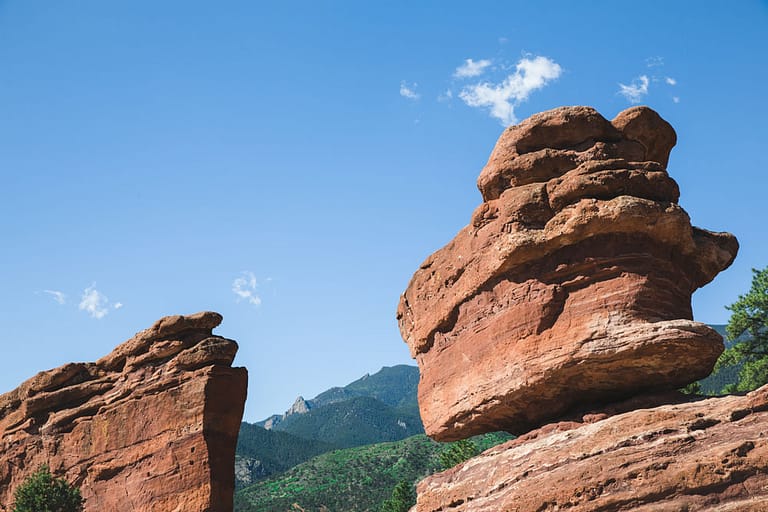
[373, 409]
[346, 448]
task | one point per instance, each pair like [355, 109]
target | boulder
[152, 426]
[571, 284]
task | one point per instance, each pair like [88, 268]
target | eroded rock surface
[150, 427]
[704, 455]
[572, 283]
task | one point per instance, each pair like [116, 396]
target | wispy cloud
[244, 287]
[635, 91]
[58, 296]
[117, 305]
[670, 81]
[676, 99]
[501, 99]
[471, 68]
[654, 62]
[409, 91]
[94, 302]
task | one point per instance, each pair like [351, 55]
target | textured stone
[571, 284]
[150, 427]
[702, 455]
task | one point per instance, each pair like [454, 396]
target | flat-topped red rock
[150, 427]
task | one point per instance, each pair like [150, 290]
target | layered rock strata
[705, 455]
[572, 283]
[152, 426]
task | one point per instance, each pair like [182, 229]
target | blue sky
[290, 165]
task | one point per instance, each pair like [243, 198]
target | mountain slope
[354, 422]
[355, 479]
[395, 386]
[373, 409]
[261, 453]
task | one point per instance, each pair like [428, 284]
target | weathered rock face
[572, 284]
[705, 455]
[150, 427]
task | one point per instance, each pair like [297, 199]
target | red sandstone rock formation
[705, 455]
[151, 427]
[572, 283]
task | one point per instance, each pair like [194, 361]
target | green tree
[458, 452]
[694, 388]
[403, 498]
[41, 492]
[748, 326]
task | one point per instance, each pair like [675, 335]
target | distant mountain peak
[300, 406]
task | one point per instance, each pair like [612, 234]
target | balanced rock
[703, 455]
[572, 283]
[151, 426]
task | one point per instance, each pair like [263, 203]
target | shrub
[41, 492]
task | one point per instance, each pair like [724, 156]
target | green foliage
[403, 498]
[457, 453]
[393, 385]
[748, 326]
[40, 492]
[354, 422]
[355, 479]
[276, 451]
[694, 388]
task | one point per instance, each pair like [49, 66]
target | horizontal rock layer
[571, 283]
[151, 427]
[706, 455]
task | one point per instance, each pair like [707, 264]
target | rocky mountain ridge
[395, 386]
[376, 408]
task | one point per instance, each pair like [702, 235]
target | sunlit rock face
[152, 426]
[705, 455]
[571, 284]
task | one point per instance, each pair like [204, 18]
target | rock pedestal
[572, 283]
[151, 427]
[707, 455]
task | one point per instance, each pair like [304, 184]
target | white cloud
[670, 81]
[471, 68]
[94, 302]
[445, 96]
[676, 99]
[409, 91]
[58, 296]
[654, 62]
[501, 99]
[636, 91]
[245, 288]
[117, 305]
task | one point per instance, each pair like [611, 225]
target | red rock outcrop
[151, 427]
[572, 283]
[705, 455]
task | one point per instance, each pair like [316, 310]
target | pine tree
[403, 498]
[41, 492]
[748, 326]
[458, 452]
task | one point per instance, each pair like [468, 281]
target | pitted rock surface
[152, 426]
[705, 455]
[572, 283]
